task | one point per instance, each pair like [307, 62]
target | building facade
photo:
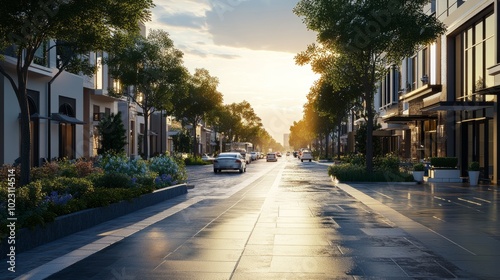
[443, 101]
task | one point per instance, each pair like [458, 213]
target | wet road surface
[287, 220]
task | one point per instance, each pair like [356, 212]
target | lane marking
[384, 195]
[470, 201]
[483, 200]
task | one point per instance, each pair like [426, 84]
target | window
[476, 53]
[41, 55]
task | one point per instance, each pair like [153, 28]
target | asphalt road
[287, 220]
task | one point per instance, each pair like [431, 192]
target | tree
[365, 36]
[27, 25]
[154, 68]
[202, 98]
[112, 133]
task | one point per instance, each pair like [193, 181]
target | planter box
[68, 224]
[473, 178]
[444, 175]
[418, 176]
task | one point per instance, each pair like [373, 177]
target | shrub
[103, 197]
[85, 167]
[356, 173]
[444, 162]
[145, 181]
[112, 180]
[192, 160]
[169, 166]
[48, 170]
[389, 162]
[355, 159]
[119, 163]
[29, 197]
[474, 166]
[419, 167]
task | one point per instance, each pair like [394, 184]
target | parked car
[271, 157]
[244, 154]
[306, 155]
[254, 155]
[230, 161]
[207, 157]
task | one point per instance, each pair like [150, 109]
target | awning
[490, 90]
[458, 106]
[66, 119]
[408, 118]
[421, 92]
[36, 116]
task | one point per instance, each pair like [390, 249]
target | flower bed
[63, 187]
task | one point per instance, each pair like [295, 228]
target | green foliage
[360, 138]
[119, 163]
[444, 162]
[166, 165]
[77, 187]
[357, 173]
[113, 180]
[105, 196]
[389, 162]
[113, 134]
[182, 141]
[419, 167]
[79, 27]
[29, 196]
[48, 170]
[355, 159]
[474, 166]
[155, 68]
[195, 160]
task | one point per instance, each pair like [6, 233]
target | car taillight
[237, 161]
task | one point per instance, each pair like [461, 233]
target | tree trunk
[145, 140]
[22, 98]
[338, 140]
[369, 133]
[195, 140]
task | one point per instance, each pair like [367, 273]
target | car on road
[207, 157]
[230, 161]
[254, 156]
[271, 157]
[306, 155]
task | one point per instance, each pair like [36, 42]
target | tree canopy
[154, 68]
[358, 39]
[25, 26]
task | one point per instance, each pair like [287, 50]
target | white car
[254, 155]
[306, 155]
[206, 157]
[230, 161]
[271, 157]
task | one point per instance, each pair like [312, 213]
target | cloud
[204, 54]
[187, 20]
[258, 25]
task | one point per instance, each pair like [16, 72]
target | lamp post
[220, 141]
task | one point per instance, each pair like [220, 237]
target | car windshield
[233, 155]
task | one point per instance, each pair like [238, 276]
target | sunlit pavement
[287, 220]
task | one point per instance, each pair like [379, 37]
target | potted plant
[418, 172]
[444, 169]
[473, 173]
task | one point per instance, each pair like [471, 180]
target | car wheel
[215, 170]
[241, 170]
[301, 160]
[309, 160]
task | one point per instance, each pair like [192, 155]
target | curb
[68, 224]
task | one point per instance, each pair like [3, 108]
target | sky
[249, 45]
